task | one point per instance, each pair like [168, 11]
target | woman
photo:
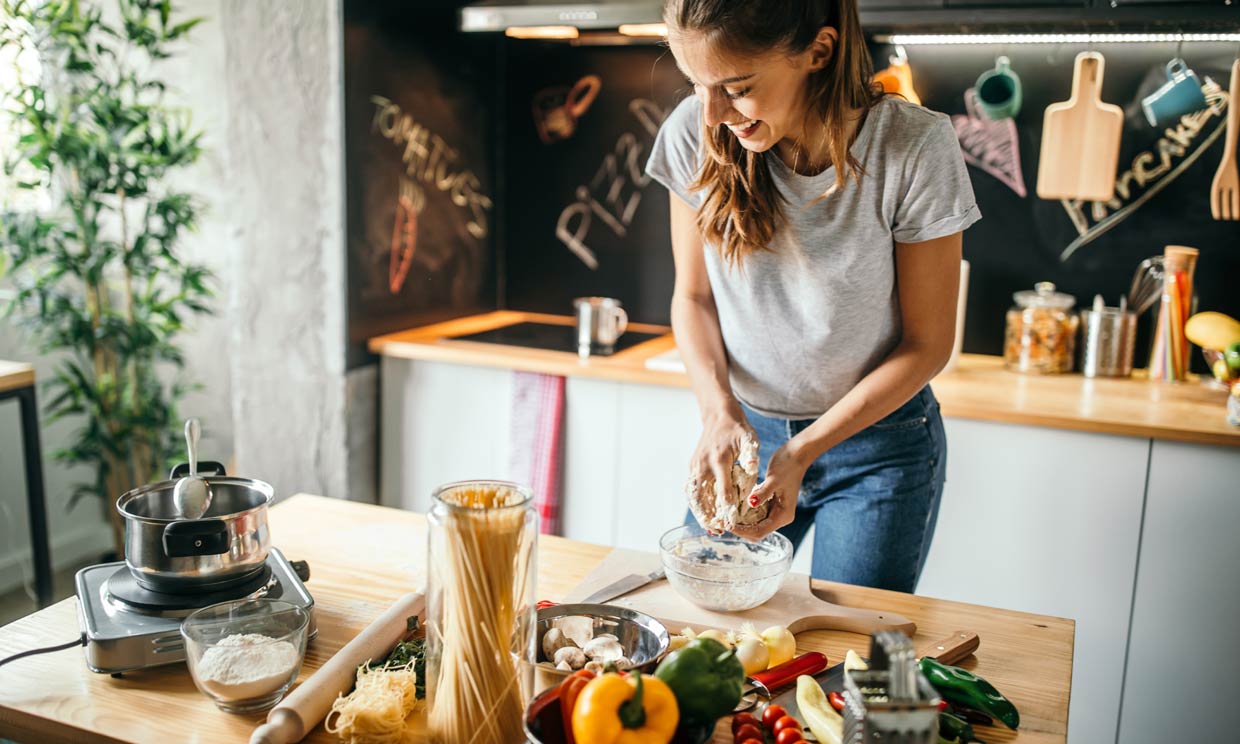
[816, 226]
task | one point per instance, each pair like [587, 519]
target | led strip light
[1133, 38]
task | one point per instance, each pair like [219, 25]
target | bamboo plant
[96, 277]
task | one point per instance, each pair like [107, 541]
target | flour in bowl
[247, 665]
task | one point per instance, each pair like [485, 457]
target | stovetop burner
[129, 627]
[549, 336]
[122, 587]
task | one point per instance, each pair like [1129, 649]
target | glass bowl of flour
[245, 654]
[724, 572]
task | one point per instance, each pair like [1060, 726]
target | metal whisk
[1147, 285]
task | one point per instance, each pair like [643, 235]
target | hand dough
[721, 512]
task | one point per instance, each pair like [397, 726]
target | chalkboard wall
[420, 154]
[548, 142]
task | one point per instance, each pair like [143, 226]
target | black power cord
[79, 642]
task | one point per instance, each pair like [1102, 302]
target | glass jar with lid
[1041, 331]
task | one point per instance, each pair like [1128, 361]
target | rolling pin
[310, 703]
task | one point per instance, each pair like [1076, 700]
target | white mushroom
[604, 650]
[580, 630]
[571, 655]
[564, 666]
[595, 666]
[554, 640]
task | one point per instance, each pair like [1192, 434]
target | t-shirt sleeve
[937, 199]
[674, 156]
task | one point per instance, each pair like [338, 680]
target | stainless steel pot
[228, 546]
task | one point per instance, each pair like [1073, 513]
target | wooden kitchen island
[363, 557]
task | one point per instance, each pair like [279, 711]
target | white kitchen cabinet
[659, 428]
[440, 423]
[1181, 680]
[1047, 521]
[591, 462]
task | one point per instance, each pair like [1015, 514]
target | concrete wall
[264, 81]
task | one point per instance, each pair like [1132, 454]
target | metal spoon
[191, 494]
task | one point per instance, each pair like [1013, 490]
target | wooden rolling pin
[302, 710]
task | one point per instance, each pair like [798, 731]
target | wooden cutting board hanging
[1080, 139]
[794, 605]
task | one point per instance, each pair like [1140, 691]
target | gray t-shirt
[805, 321]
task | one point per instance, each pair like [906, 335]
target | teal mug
[998, 91]
[1180, 95]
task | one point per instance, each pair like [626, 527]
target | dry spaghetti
[478, 563]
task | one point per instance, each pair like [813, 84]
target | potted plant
[93, 259]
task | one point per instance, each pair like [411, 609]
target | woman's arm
[695, 321]
[927, 282]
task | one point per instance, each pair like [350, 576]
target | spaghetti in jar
[481, 628]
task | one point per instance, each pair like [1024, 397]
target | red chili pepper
[836, 699]
[786, 673]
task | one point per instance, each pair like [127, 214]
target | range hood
[499, 15]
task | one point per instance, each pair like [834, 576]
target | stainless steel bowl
[643, 638]
[227, 546]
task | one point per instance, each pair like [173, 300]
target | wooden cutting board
[1080, 139]
[794, 605]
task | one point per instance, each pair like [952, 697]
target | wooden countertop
[979, 388]
[15, 375]
[363, 557]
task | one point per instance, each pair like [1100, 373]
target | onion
[717, 635]
[781, 645]
[752, 654]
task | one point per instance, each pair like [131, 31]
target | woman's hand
[784, 474]
[723, 435]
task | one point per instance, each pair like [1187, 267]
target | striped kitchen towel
[537, 441]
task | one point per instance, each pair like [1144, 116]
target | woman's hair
[743, 208]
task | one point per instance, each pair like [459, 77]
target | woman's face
[759, 98]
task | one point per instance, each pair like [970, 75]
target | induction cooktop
[549, 336]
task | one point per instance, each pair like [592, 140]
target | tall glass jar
[481, 627]
[1169, 351]
[1041, 331]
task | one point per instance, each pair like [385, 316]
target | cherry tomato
[747, 731]
[751, 741]
[772, 714]
[785, 722]
[837, 700]
[788, 736]
[740, 719]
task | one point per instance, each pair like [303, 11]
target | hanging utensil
[191, 494]
[1080, 139]
[1225, 191]
[1147, 285]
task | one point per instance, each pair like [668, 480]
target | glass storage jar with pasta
[481, 612]
[1041, 331]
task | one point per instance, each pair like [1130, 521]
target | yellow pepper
[632, 709]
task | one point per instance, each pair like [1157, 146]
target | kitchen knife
[620, 587]
[949, 650]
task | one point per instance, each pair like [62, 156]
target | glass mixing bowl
[724, 572]
[245, 654]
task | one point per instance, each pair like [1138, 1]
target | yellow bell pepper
[632, 709]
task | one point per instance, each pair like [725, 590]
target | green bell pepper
[706, 678]
[962, 687]
[955, 730]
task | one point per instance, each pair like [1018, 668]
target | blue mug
[998, 91]
[1180, 95]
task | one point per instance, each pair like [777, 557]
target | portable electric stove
[130, 627]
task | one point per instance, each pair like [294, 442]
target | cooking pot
[225, 548]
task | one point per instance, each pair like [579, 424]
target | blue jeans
[873, 499]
